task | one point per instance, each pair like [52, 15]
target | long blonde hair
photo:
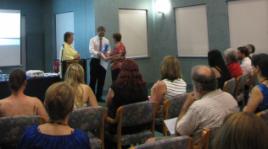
[74, 76]
[170, 68]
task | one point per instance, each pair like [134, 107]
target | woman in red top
[233, 65]
[118, 55]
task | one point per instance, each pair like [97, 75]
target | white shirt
[246, 65]
[174, 88]
[94, 46]
[207, 112]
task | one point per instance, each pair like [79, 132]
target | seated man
[211, 108]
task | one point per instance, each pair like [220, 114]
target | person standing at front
[99, 49]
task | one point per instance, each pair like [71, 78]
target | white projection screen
[10, 36]
[133, 27]
[248, 23]
[192, 31]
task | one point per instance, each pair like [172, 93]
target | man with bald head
[208, 108]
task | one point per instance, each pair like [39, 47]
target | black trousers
[115, 73]
[97, 77]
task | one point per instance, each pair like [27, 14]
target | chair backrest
[136, 114]
[172, 107]
[203, 142]
[88, 119]
[12, 128]
[230, 86]
[263, 115]
[242, 82]
[182, 142]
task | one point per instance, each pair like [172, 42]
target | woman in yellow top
[84, 95]
[68, 52]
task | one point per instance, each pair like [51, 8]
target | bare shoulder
[34, 100]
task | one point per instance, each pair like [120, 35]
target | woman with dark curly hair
[127, 89]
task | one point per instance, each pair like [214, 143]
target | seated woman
[171, 83]
[258, 100]
[84, 95]
[117, 56]
[128, 88]
[216, 62]
[233, 65]
[56, 134]
[18, 103]
[242, 131]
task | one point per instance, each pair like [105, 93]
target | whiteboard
[10, 38]
[248, 23]
[192, 31]
[64, 23]
[133, 27]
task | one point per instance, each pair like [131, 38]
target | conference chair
[181, 142]
[263, 115]
[203, 141]
[242, 89]
[230, 86]
[137, 114]
[172, 108]
[91, 121]
[12, 129]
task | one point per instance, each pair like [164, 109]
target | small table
[36, 87]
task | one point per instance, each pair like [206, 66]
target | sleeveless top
[264, 104]
[34, 139]
[175, 87]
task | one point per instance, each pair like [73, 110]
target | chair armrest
[111, 120]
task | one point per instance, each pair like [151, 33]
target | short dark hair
[16, 79]
[59, 101]
[261, 61]
[67, 35]
[117, 37]
[242, 131]
[101, 28]
[203, 82]
[243, 50]
[252, 48]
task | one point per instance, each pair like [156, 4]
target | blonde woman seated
[84, 95]
[171, 83]
[18, 103]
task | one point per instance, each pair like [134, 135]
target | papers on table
[171, 124]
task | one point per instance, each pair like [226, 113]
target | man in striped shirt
[211, 108]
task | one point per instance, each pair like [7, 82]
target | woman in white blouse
[171, 83]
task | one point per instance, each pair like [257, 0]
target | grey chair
[172, 108]
[132, 115]
[12, 129]
[182, 142]
[91, 121]
[230, 86]
[263, 115]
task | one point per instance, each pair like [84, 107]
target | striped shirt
[207, 112]
[174, 88]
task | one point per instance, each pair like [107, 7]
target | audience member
[171, 83]
[56, 134]
[128, 88]
[233, 65]
[243, 56]
[217, 64]
[211, 108]
[18, 103]
[117, 56]
[258, 100]
[251, 48]
[242, 131]
[84, 95]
